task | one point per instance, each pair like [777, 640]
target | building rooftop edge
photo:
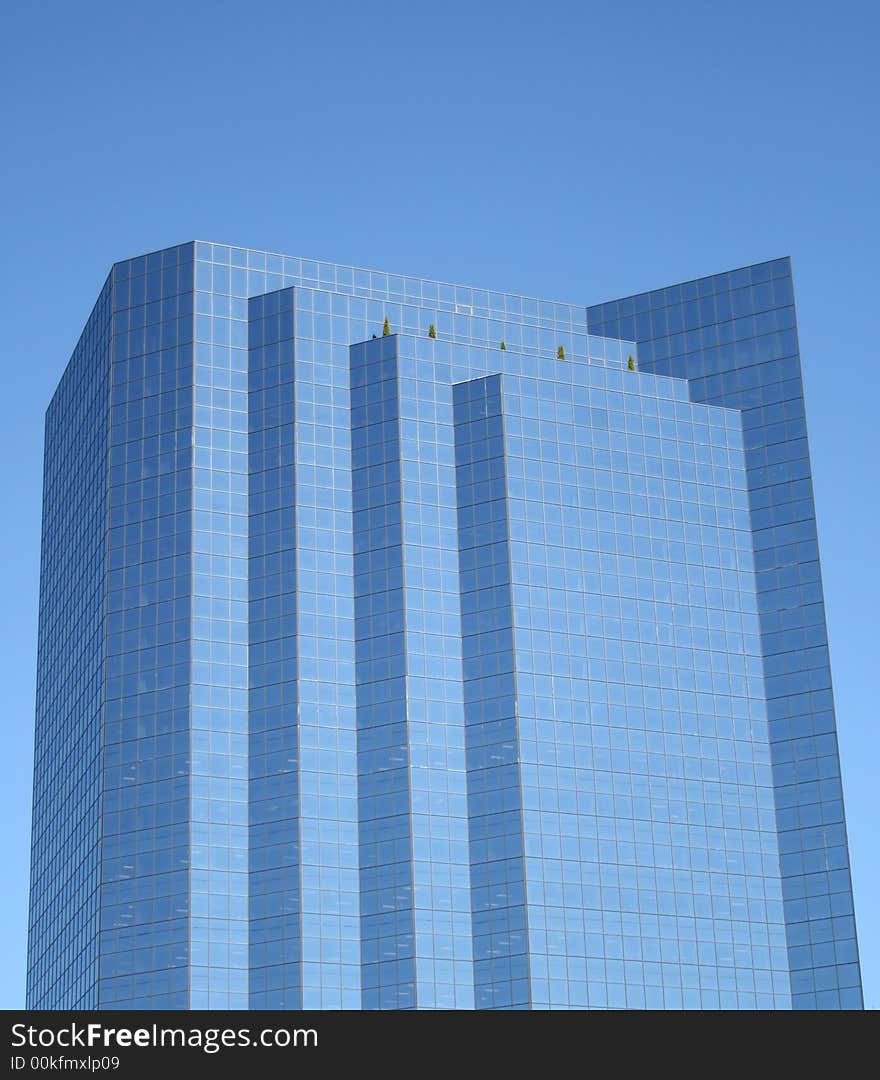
[438, 281]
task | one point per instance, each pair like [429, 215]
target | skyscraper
[408, 645]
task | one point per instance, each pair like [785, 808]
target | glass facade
[478, 664]
[733, 337]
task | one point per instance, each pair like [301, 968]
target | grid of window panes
[303, 664]
[336, 306]
[432, 647]
[274, 842]
[326, 691]
[185, 534]
[388, 933]
[146, 818]
[652, 869]
[341, 305]
[500, 941]
[219, 783]
[733, 336]
[65, 860]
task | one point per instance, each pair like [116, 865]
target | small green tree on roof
[386, 328]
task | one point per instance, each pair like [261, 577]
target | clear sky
[577, 151]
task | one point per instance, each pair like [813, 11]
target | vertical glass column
[145, 827]
[384, 799]
[326, 669]
[275, 911]
[219, 782]
[500, 928]
[435, 706]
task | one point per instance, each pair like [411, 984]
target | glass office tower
[408, 645]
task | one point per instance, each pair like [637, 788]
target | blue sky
[577, 151]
